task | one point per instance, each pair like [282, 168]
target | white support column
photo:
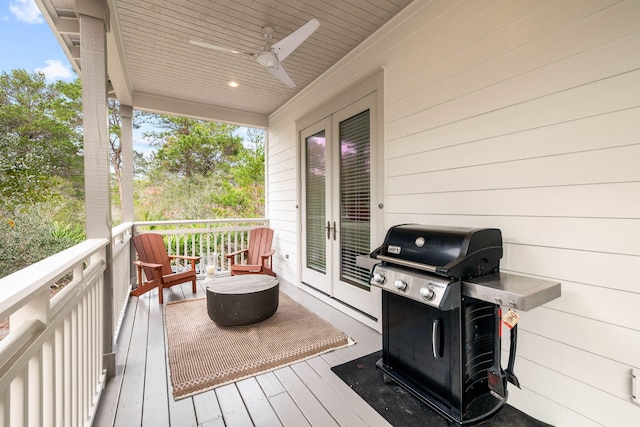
[93, 16]
[95, 124]
[126, 141]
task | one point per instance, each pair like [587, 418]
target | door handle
[329, 228]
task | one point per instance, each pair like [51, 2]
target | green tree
[40, 137]
[41, 168]
[243, 192]
[250, 167]
[189, 147]
[201, 170]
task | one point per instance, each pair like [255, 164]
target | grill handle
[410, 264]
[436, 338]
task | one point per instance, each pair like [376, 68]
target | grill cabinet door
[467, 342]
[408, 349]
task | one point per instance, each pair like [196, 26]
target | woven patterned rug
[203, 355]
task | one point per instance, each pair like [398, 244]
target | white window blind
[355, 197]
[315, 202]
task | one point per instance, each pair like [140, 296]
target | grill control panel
[429, 289]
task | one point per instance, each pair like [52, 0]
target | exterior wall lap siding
[521, 115]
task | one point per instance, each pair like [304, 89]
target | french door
[337, 203]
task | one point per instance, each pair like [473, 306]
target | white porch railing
[209, 239]
[121, 271]
[51, 363]
[52, 366]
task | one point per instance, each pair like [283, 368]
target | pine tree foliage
[200, 169]
[40, 136]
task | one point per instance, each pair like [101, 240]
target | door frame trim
[373, 83]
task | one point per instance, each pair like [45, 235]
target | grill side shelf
[512, 290]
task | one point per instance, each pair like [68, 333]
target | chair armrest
[192, 259]
[185, 257]
[232, 254]
[268, 254]
[147, 264]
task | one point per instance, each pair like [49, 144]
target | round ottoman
[242, 300]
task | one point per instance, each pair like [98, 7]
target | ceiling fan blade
[279, 73]
[288, 44]
[218, 48]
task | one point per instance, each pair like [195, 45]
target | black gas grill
[438, 343]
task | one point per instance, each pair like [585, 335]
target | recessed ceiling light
[233, 83]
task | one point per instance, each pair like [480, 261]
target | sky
[28, 43]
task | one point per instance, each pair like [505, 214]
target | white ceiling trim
[117, 61]
[164, 105]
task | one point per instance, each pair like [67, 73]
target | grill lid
[456, 252]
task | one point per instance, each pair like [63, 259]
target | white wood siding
[522, 115]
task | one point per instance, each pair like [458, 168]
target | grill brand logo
[420, 242]
[394, 249]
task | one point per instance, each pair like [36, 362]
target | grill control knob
[427, 293]
[378, 278]
[401, 285]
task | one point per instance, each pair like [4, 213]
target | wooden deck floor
[302, 394]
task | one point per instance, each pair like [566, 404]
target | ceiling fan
[273, 54]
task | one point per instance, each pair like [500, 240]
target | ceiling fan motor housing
[267, 58]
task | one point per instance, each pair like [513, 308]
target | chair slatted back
[260, 240]
[151, 248]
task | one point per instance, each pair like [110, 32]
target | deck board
[261, 412]
[109, 400]
[155, 389]
[233, 410]
[343, 414]
[207, 409]
[304, 394]
[287, 410]
[129, 410]
[271, 386]
[347, 396]
[310, 406]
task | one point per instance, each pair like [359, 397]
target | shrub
[29, 234]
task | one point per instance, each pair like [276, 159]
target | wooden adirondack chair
[258, 254]
[155, 262]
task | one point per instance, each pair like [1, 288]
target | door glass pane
[355, 197]
[315, 202]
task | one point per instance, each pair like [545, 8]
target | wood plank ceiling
[151, 57]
